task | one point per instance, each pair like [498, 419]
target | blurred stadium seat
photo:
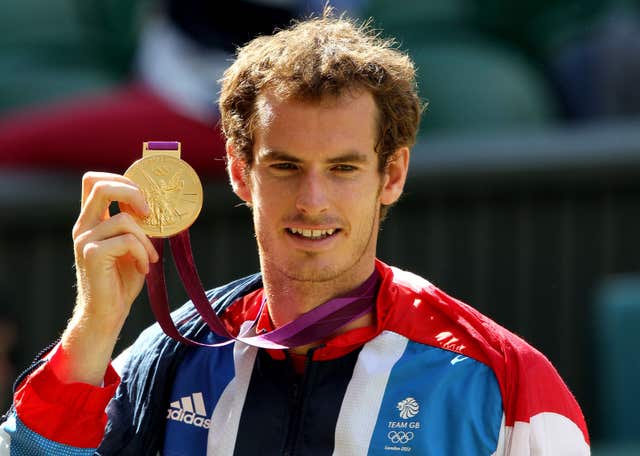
[471, 80]
[475, 87]
[413, 22]
[52, 50]
[617, 333]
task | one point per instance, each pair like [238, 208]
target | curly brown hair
[317, 58]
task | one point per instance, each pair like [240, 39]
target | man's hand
[112, 256]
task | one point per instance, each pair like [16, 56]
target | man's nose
[312, 195]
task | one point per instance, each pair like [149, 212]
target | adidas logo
[190, 410]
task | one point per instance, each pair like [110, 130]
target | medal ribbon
[312, 326]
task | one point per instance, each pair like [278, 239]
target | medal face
[172, 190]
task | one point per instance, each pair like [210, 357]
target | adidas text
[188, 418]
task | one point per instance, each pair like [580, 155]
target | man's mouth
[312, 234]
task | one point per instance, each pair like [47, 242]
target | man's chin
[310, 269]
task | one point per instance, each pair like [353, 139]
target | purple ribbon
[163, 145]
[312, 326]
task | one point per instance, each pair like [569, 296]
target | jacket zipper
[299, 393]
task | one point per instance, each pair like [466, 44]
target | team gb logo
[408, 408]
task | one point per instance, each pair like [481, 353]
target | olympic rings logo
[400, 436]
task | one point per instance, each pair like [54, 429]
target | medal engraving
[172, 190]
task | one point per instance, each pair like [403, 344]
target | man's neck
[288, 299]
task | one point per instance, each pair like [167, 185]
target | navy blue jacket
[137, 412]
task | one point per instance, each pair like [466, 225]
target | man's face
[316, 189]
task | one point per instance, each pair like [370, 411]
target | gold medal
[170, 186]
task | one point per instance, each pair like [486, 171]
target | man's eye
[284, 166]
[344, 168]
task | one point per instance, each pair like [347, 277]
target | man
[319, 120]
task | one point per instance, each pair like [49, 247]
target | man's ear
[394, 176]
[238, 174]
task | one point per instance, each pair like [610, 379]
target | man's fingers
[103, 193]
[103, 253]
[89, 179]
[118, 225]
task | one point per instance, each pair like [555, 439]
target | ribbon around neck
[312, 326]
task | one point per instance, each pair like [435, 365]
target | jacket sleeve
[55, 418]
[545, 434]
[542, 417]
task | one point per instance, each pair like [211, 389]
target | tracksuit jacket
[432, 377]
